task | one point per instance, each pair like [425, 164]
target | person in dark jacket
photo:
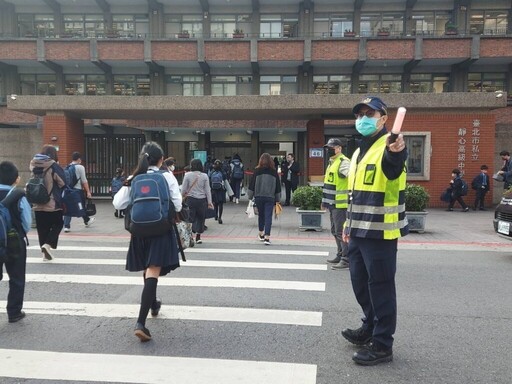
[290, 170]
[266, 190]
[456, 191]
[49, 219]
[218, 194]
[506, 170]
[481, 185]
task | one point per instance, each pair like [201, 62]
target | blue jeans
[265, 207]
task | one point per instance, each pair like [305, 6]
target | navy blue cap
[374, 103]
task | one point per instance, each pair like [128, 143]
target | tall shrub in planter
[308, 200]
[416, 200]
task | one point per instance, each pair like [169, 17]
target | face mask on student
[367, 126]
[171, 168]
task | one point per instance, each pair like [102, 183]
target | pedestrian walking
[115, 186]
[290, 170]
[155, 255]
[197, 194]
[458, 189]
[79, 182]
[237, 177]
[375, 220]
[506, 170]
[49, 219]
[265, 188]
[335, 199]
[217, 182]
[481, 185]
[21, 219]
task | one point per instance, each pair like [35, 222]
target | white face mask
[171, 168]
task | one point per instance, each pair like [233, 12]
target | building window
[129, 26]
[179, 24]
[380, 84]
[91, 85]
[371, 23]
[278, 26]
[223, 26]
[131, 85]
[231, 85]
[332, 25]
[429, 83]
[489, 22]
[430, 23]
[185, 85]
[418, 159]
[486, 82]
[38, 84]
[30, 25]
[84, 26]
[332, 84]
[278, 85]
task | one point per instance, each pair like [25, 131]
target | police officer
[335, 198]
[375, 221]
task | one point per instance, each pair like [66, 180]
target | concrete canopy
[283, 107]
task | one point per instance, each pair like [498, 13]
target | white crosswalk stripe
[270, 271]
[145, 369]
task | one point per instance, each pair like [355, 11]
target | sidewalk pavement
[444, 230]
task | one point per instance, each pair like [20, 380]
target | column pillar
[64, 132]
[315, 139]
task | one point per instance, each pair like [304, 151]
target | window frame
[426, 156]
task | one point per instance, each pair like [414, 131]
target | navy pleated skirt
[160, 251]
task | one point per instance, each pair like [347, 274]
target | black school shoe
[357, 336]
[155, 307]
[373, 354]
[142, 332]
[17, 317]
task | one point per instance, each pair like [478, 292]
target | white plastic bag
[250, 210]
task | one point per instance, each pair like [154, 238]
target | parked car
[503, 215]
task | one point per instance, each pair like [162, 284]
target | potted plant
[238, 34]
[416, 200]
[308, 200]
[384, 31]
[349, 33]
[183, 34]
[450, 29]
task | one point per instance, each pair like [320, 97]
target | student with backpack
[458, 188]
[46, 198]
[481, 186]
[217, 178]
[115, 185]
[237, 177]
[76, 179]
[15, 262]
[153, 250]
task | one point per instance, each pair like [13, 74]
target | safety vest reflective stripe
[377, 210]
[374, 226]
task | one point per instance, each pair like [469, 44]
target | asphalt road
[245, 313]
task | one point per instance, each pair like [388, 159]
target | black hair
[150, 154]
[75, 156]
[169, 161]
[50, 151]
[8, 173]
[217, 164]
[456, 171]
[119, 172]
[484, 167]
[196, 165]
[504, 153]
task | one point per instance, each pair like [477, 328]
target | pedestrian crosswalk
[274, 292]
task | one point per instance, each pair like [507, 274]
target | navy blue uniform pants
[16, 270]
[372, 270]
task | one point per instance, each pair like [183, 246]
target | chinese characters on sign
[465, 141]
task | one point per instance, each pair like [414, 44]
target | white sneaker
[236, 201]
[91, 220]
[47, 254]
[67, 230]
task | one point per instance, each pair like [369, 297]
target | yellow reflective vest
[335, 190]
[377, 204]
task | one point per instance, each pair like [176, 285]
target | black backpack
[70, 175]
[463, 188]
[36, 190]
[11, 229]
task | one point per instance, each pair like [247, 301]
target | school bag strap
[11, 200]
[192, 186]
